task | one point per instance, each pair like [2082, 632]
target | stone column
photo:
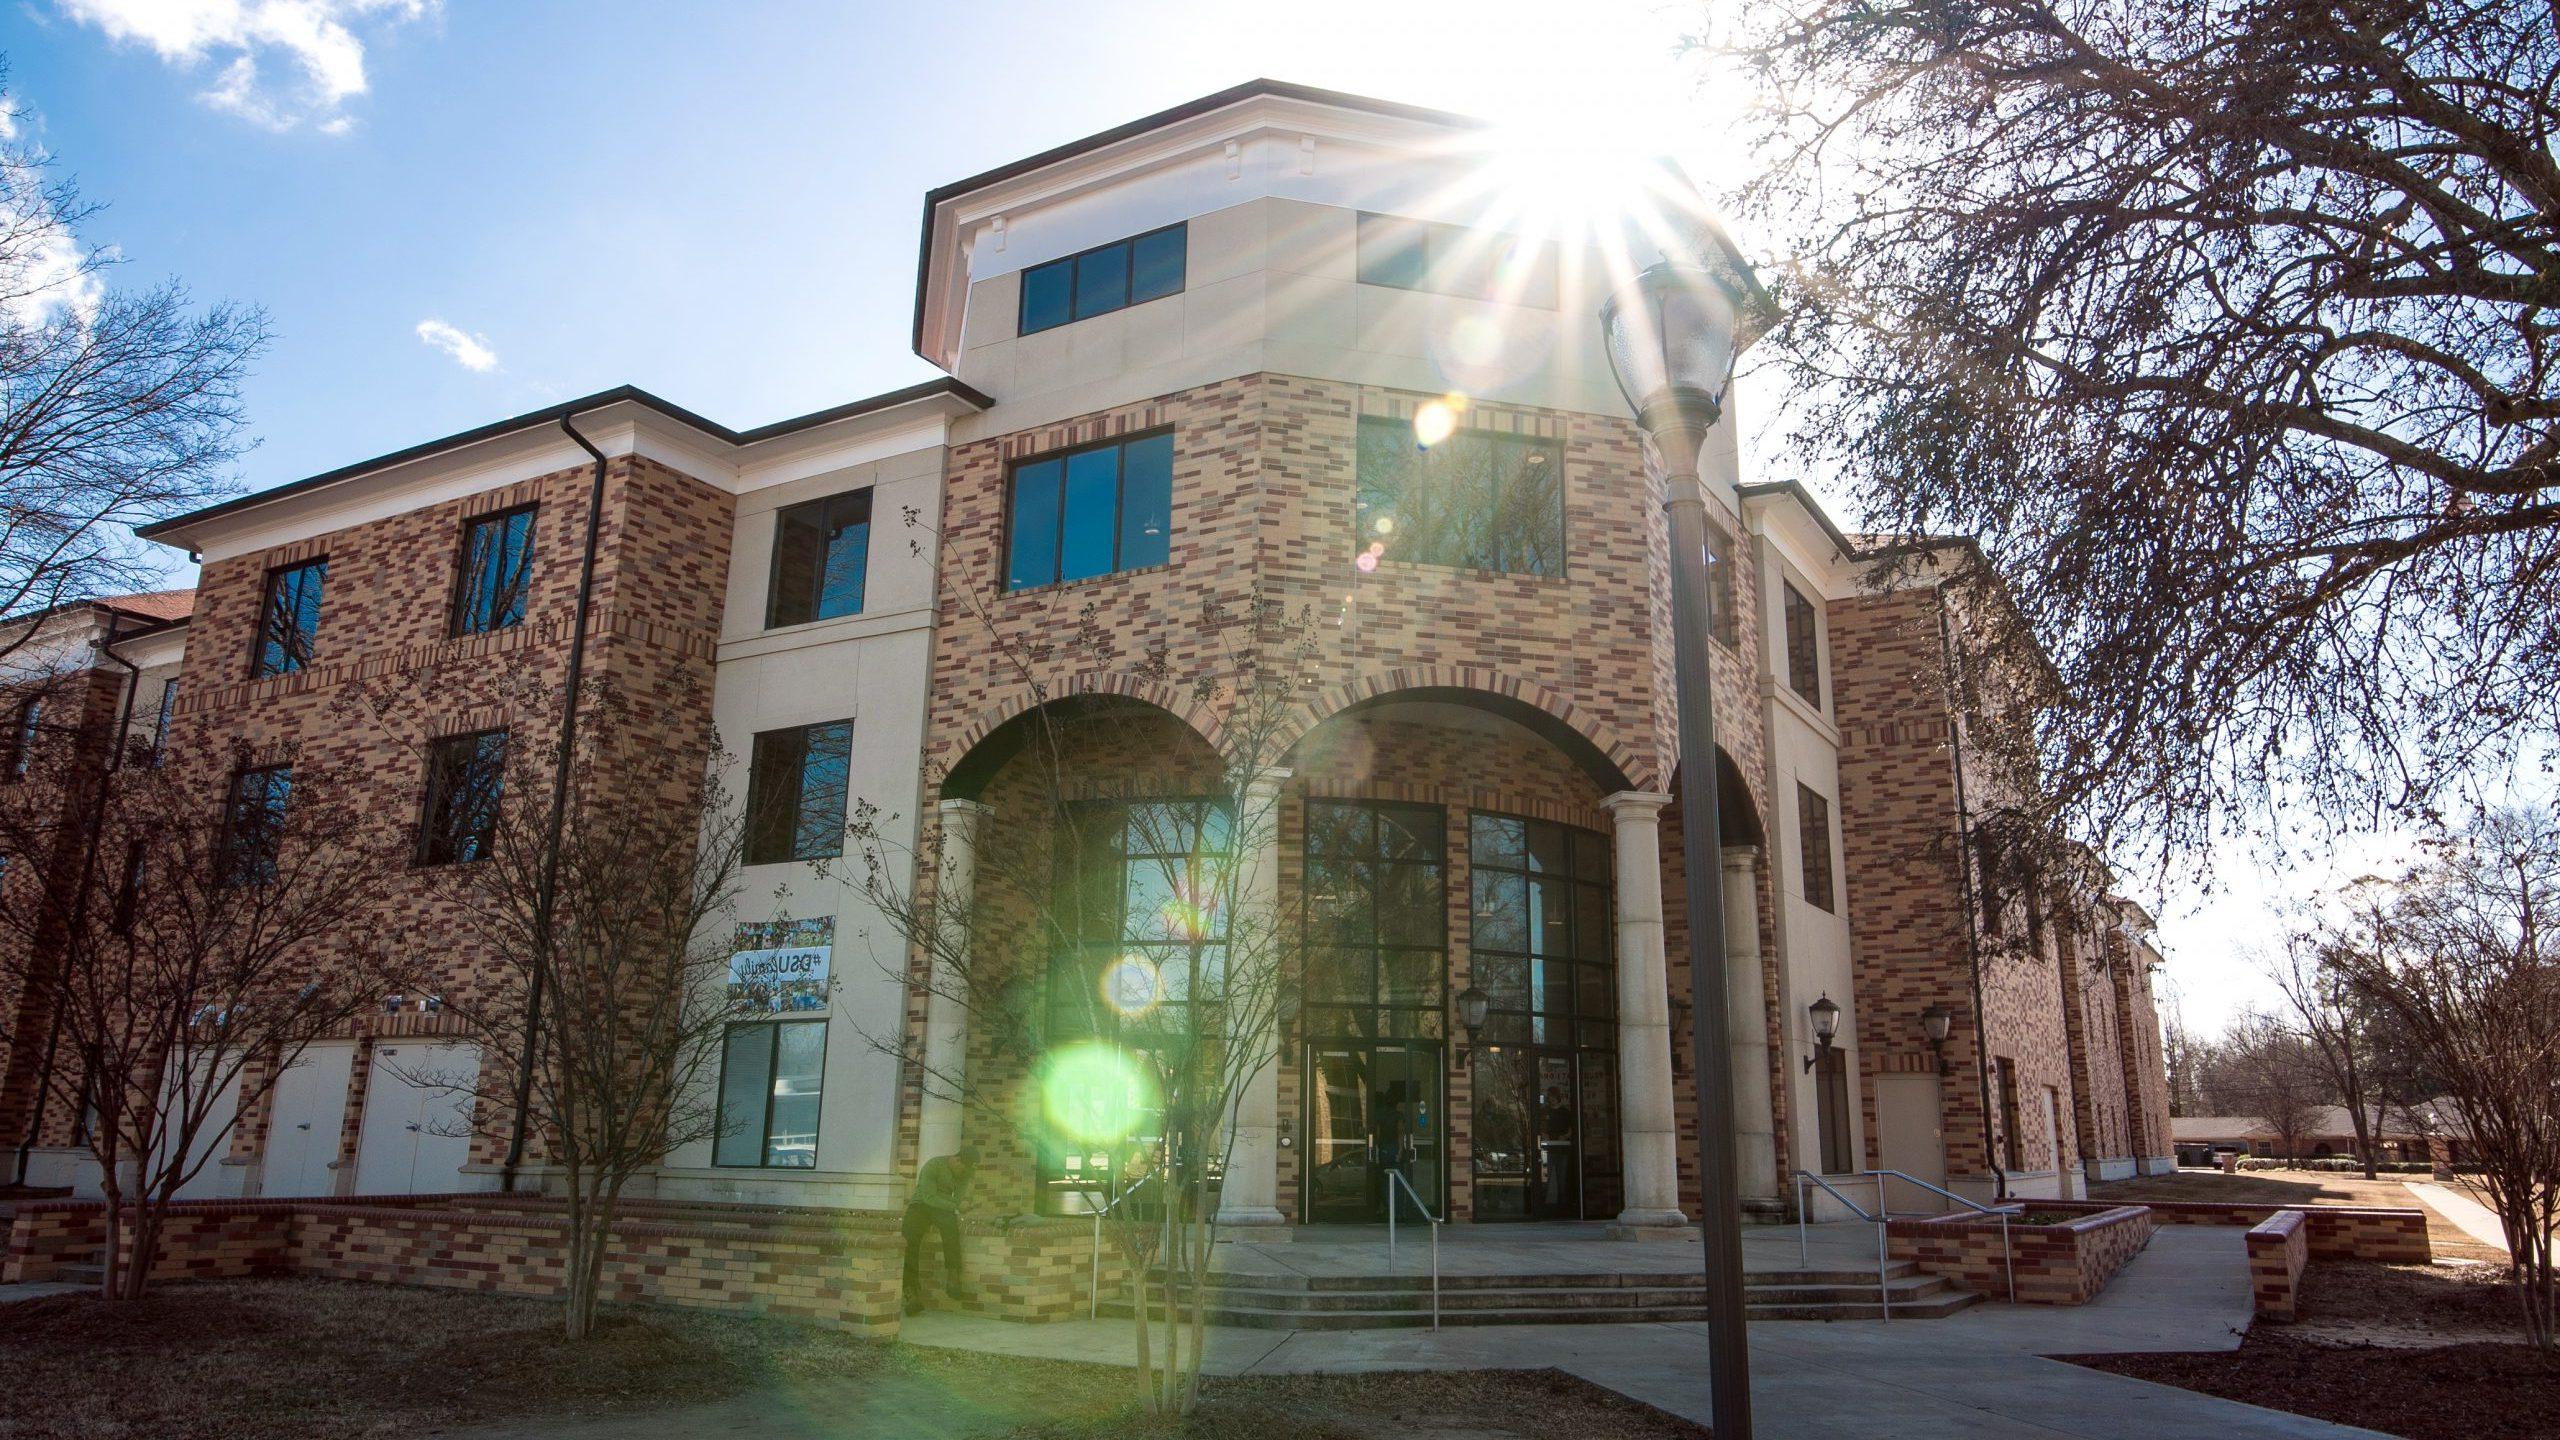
[946, 1016]
[1250, 1196]
[1755, 1121]
[1649, 1135]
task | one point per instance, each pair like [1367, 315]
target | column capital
[1267, 782]
[1741, 857]
[965, 809]
[1635, 804]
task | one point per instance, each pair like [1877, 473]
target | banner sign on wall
[781, 964]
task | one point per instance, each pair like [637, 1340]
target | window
[771, 1073]
[289, 619]
[1103, 279]
[466, 778]
[1090, 512]
[253, 824]
[496, 572]
[1724, 615]
[1831, 1087]
[821, 552]
[1813, 849]
[160, 723]
[2012, 1141]
[129, 889]
[1376, 919]
[1408, 254]
[796, 783]
[1480, 499]
[1541, 946]
[1804, 655]
[22, 737]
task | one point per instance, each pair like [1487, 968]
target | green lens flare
[1094, 1094]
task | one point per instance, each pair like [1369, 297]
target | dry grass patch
[2299, 1187]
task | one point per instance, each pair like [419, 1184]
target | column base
[1651, 1225]
[1261, 1226]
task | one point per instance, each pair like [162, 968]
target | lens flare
[1386, 525]
[1366, 562]
[1435, 421]
[1132, 986]
[1094, 1094]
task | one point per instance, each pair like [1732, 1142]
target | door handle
[305, 1125]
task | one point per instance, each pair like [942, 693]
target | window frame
[1724, 592]
[1832, 1109]
[1813, 823]
[2013, 1141]
[267, 596]
[26, 723]
[458, 614]
[1362, 524]
[1074, 264]
[763, 822]
[772, 1061]
[427, 851]
[823, 507]
[236, 806]
[160, 723]
[1371, 1019]
[1804, 665]
[1583, 1030]
[1438, 269]
[1119, 509]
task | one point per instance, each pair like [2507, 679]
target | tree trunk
[145, 1247]
[110, 1259]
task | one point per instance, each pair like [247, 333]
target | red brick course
[2279, 1249]
[2054, 1264]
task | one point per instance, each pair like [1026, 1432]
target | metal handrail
[2008, 1257]
[1093, 1287]
[1884, 1287]
[1397, 1178]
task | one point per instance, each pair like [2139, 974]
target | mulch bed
[2426, 1352]
[327, 1360]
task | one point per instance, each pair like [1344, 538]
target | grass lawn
[2301, 1187]
[2430, 1352]
[328, 1360]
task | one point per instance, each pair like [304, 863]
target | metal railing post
[2008, 1257]
[1804, 1257]
[1093, 1287]
[1884, 1288]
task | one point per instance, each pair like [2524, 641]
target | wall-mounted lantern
[1825, 1014]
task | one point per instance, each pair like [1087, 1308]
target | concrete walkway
[1977, 1375]
[2468, 1215]
[38, 1289]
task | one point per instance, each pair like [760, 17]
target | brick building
[1276, 347]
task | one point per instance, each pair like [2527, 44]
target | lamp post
[1672, 336]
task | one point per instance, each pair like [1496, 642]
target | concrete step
[1401, 1300]
[1640, 1279]
[1227, 1312]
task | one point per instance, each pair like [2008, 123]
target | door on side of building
[1912, 1140]
[1372, 1107]
[307, 1111]
[416, 1134]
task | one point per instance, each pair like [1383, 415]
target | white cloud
[467, 350]
[44, 272]
[314, 42]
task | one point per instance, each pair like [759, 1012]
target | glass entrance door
[1544, 1134]
[1372, 1107]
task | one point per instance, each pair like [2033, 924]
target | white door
[214, 1180]
[309, 1107]
[417, 1118]
[1913, 1140]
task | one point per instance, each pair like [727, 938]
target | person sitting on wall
[935, 1205]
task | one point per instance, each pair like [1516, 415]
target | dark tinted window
[289, 619]
[771, 1080]
[497, 572]
[160, 726]
[1091, 512]
[466, 778]
[1376, 919]
[1813, 844]
[821, 556]
[1455, 260]
[23, 729]
[1479, 499]
[1103, 279]
[1541, 947]
[1804, 645]
[796, 784]
[253, 824]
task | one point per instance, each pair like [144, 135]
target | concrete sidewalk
[2467, 1215]
[1977, 1375]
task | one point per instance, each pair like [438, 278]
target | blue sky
[719, 202]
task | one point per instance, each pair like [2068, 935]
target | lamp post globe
[1671, 337]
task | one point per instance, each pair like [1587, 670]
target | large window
[160, 722]
[1479, 499]
[253, 824]
[1540, 946]
[1813, 849]
[1455, 260]
[771, 1074]
[1804, 645]
[496, 573]
[1103, 279]
[289, 619]
[466, 778]
[1724, 614]
[821, 553]
[23, 729]
[1090, 512]
[1376, 919]
[796, 783]
[2013, 1142]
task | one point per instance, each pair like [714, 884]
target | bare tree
[190, 950]
[2267, 1070]
[2226, 331]
[117, 408]
[2469, 970]
[602, 881]
[2315, 974]
[1130, 943]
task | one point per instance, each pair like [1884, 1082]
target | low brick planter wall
[200, 1239]
[2279, 1249]
[2389, 1234]
[2064, 1264]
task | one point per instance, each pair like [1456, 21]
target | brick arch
[1611, 763]
[967, 771]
